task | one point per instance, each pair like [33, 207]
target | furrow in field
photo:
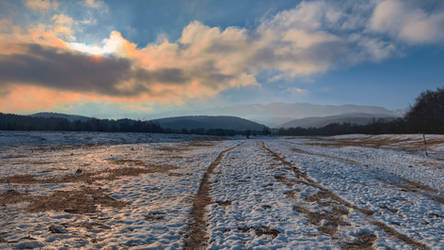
[197, 228]
[334, 209]
[402, 183]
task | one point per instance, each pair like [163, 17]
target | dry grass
[41, 162]
[400, 236]
[173, 148]
[80, 201]
[332, 216]
[21, 179]
[266, 231]
[393, 210]
[65, 147]
[90, 177]
[263, 230]
[186, 146]
[155, 216]
[291, 194]
[131, 162]
[427, 191]
[14, 156]
[407, 144]
[11, 196]
[284, 180]
[198, 143]
[223, 203]
[364, 241]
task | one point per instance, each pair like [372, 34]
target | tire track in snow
[332, 217]
[197, 235]
[408, 185]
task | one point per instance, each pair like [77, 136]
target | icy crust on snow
[158, 204]
[371, 184]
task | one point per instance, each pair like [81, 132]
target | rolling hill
[208, 122]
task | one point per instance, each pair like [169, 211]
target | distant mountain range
[353, 118]
[276, 114]
[273, 115]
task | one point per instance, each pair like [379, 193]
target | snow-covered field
[130, 190]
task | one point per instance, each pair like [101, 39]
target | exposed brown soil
[197, 238]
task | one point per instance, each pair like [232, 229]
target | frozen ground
[156, 191]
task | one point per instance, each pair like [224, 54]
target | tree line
[30, 123]
[425, 116]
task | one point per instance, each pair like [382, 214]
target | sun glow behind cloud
[108, 46]
[91, 49]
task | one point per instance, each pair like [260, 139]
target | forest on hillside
[425, 116]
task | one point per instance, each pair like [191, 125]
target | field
[129, 190]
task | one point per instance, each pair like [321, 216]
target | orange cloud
[41, 5]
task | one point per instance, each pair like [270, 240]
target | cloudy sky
[128, 58]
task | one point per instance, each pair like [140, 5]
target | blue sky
[127, 58]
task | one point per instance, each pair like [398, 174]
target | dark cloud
[66, 70]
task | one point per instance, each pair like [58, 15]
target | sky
[131, 58]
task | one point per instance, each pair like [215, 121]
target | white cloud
[407, 21]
